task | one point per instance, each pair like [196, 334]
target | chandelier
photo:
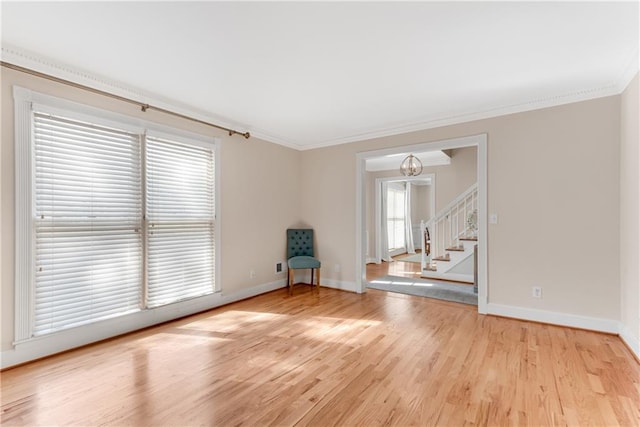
[411, 166]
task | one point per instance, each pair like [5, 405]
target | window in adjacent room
[396, 218]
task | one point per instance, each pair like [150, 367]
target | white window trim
[24, 100]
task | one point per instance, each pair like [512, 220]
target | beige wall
[555, 177]
[450, 181]
[420, 203]
[630, 212]
[259, 198]
[553, 180]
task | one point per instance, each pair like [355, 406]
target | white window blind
[180, 220]
[88, 213]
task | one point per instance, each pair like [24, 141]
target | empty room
[320, 213]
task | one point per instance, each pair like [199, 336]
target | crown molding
[426, 123]
[48, 66]
[630, 72]
[36, 62]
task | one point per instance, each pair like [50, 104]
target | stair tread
[455, 249]
[472, 239]
[431, 268]
[441, 258]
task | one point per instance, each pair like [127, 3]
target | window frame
[25, 101]
[396, 189]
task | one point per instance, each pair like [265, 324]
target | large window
[396, 217]
[122, 217]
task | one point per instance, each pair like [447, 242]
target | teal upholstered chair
[300, 254]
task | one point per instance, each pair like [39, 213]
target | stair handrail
[447, 209]
[442, 215]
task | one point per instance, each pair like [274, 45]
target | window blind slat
[180, 210]
[88, 253]
[89, 222]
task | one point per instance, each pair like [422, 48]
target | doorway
[479, 141]
[422, 208]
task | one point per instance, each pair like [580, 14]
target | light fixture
[411, 166]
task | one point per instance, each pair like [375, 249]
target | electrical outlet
[252, 274]
[536, 292]
[279, 268]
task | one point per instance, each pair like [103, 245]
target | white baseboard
[39, 347]
[632, 340]
[570, 320]
[555, 318]
[251, 292]
[466, 278]
[340, 284]
[76, 337]
[371, 260]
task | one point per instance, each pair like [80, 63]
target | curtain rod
[143, 107]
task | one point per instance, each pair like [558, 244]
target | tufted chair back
[299, 242]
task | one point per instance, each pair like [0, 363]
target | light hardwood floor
[334, 358]
[395, 268]
[398, 268]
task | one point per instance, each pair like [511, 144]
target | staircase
[451, 236]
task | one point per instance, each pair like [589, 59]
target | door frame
[479, 141]
[378, 204]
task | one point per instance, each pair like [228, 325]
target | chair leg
[318, 279]
[311, 282]
[290, 281]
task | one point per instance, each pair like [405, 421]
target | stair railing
[449, 225]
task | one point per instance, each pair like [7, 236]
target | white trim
[378, 204]
[479, 141]
[555, 318]
[630, 339]
[36, 62]
[340, 284]
[371, 260]
[79, 111]
[25, 101]
[459, 277]
[361, 225]
[569, 320]
[425, 123]
[24, 210]
[20, 57]
[251, 292]
[454, 202]
[629, 73]
[483, 232]
[217, 211]
[71, 338]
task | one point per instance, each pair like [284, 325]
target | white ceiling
[310, 74]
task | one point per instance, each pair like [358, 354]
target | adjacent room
[423, 244]
[320, 213]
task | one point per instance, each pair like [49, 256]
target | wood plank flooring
[395, 268]
[334, 358]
